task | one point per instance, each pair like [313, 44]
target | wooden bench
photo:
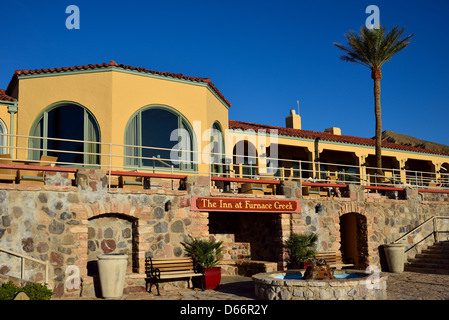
[164, 269]
[333, 259]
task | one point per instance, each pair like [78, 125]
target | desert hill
[406, 140]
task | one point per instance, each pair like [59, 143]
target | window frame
[4, 137]
[43, 116]
[182, 123]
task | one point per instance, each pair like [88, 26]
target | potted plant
[301, 249]
[206, 254]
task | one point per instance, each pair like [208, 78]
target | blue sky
[262, 55]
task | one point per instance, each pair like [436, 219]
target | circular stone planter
[284, 286]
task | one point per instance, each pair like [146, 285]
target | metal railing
[23, 258]
[118, 157]
[428, 232]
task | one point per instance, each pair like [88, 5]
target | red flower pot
[212, 277]
[306, 264]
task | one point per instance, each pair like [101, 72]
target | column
[12, 110]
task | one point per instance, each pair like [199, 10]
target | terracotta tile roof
[5, 97]
[125, 67]
[307, 134]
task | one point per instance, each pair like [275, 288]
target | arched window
[245, 155]
[217, 149]
[163, 138]
[3, 137]
[68, 121]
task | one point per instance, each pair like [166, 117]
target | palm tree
[372, 48]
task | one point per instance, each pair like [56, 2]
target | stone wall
[385, 220]
[68, 226]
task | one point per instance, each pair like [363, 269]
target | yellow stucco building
[121, 117]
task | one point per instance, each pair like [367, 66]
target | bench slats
[333, 259]
[169, 265]
[168, 275]
[155, 261]
[174, 268]
[162, 269]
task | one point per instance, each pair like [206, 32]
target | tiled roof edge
[307, 134]
[125, 67]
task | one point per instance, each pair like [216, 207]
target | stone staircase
[434, 259]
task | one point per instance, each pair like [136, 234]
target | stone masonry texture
[68, 226]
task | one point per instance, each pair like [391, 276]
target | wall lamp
[168, 205]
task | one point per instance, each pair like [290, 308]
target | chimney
[333, 130]
[293, 120]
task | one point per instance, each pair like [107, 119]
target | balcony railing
[117, 160]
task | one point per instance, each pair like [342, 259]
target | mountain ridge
[399, 138]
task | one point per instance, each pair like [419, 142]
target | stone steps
[434, 259]
[426, 270]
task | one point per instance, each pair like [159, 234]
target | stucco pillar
[403, 173]
[12, 110]
[362, 168]
[437, 166]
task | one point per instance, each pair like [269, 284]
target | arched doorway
[354, 239]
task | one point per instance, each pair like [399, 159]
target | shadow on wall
[92, 271]
[382, 258]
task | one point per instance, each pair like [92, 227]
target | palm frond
[373, 47]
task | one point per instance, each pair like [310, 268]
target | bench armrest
[155, 273]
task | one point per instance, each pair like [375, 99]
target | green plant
[38, 291]
[300, 248]
[35, 291]
[8, 290]
[206, 253]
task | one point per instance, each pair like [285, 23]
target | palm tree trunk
[378, 112]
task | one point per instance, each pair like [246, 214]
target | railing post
[110, 165]
[22, 271]
[435, 230]
[47, 269]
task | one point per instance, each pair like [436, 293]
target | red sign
[244, 204]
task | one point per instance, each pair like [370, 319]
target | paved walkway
[404, 286]
[417, 286]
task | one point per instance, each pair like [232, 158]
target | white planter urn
[395, 253]
[112, 270]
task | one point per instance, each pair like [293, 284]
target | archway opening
[261, 231]
[354, 239]
[112, 233]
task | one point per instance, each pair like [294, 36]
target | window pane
[37, 144]
[132, 139]
[93, 134]
[217, 151]
[186, 144]
[157, 126]
[66, 122]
